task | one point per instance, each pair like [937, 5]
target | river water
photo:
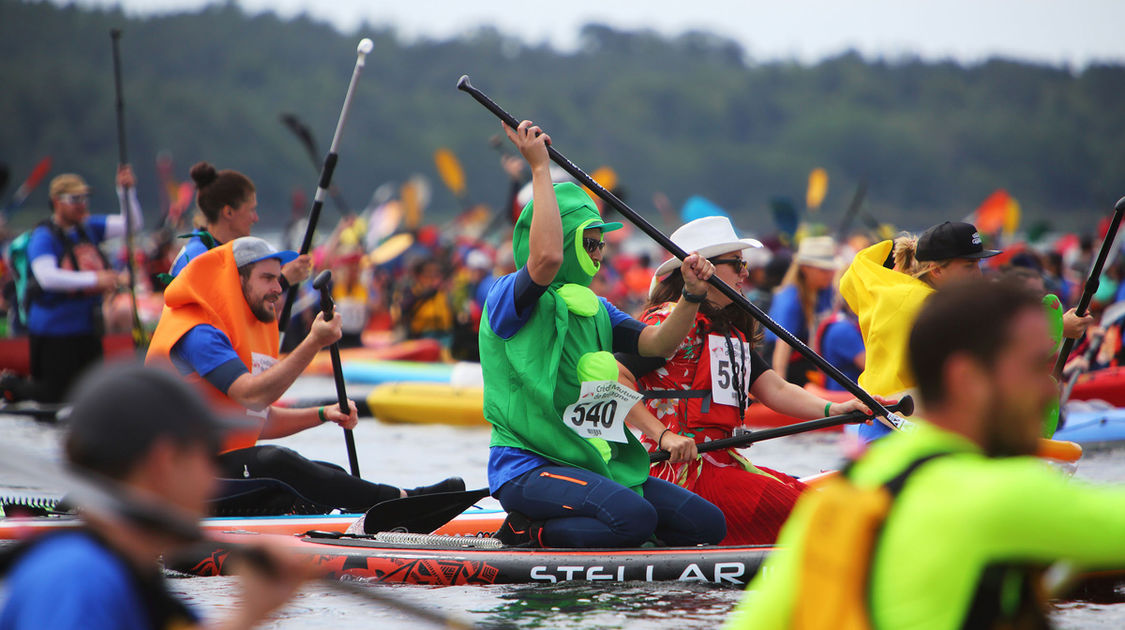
[410, 455]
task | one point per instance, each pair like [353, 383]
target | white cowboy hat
[817, 251]
[710, 236]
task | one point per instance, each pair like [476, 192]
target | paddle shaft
[139, 337]
[325, 182]
[323, 283]
[905, 406]
[303, 134]
[665, 242]
[1092, 281]
[853, 209]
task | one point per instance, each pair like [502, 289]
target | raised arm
[546, 239]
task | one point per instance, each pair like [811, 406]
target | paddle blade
[818, 188]
[784, 215]
[449, 168]
[991, 214]
[421, 514]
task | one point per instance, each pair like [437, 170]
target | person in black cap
[150, 440]
[886, 300]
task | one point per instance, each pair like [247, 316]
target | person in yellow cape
[219, 331]
[885, 287]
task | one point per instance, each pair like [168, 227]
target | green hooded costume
[530, 378]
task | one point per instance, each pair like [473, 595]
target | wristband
[661, 438]
[320, 414]
[693, 298]
[827, 406]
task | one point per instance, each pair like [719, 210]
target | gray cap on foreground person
[149, 437]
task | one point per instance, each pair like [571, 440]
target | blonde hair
[905, 249]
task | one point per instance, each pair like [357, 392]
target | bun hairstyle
[905, 250]
[218, 189]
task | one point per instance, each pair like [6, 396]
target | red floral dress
[755, 500]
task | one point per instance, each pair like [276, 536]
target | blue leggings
[585, 509]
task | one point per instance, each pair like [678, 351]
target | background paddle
[1092, 281]
[1110, 316]
[323, 283]
[904, 406]
[140, 339]
[37, 174]
[365, 46]
[736, 297]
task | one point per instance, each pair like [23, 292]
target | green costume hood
[578, 213]
[531, 377]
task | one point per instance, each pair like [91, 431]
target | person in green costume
[969, 529]
[562, 462]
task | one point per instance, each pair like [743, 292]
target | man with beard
[219, 330]
[947, 526]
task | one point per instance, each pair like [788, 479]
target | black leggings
[320, 482]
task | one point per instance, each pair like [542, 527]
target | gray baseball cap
[251, 249]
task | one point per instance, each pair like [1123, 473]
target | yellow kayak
[428, 403]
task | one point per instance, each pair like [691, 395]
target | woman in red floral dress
[708, 404]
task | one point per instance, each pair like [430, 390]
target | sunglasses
[74, 199]
[738, 263]
[592, 245]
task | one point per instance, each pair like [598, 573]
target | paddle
[323, 283]
[42, 167]
[364, 47]
[110, 498]
[1092, 282]
[904, 406]
[140, 339]
[888, 417]
[304, 135]
[853, 209]
[452, 175]
[420, 514]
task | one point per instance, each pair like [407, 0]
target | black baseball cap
[951, 240]
[119, 411]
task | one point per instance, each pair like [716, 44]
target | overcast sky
[1074, 32]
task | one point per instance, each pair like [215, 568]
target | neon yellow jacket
[955, 516]
[887, 303]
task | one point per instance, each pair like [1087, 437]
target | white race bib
[723, 385]
[600, 410]
[260, 363]
[353, 313]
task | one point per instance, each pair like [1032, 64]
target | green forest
[685, 115]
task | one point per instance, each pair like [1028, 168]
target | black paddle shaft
[904, 406]
[122, 158]
[323, 283]
[665, 242]
[1092, 281]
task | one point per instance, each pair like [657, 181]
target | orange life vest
[209, 291]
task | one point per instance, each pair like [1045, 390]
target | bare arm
[258, 391]
[546, 239]
[283, 422]
[662, 340]
[682, 448]
[785, 397]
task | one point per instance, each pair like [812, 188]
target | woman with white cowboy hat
[708, 382]
[804, 294]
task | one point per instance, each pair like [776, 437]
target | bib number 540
[600, 412]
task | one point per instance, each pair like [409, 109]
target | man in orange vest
[219, 331]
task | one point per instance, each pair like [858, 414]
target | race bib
[724, 388]
[260, 363]
[353, 313]
[600, 411]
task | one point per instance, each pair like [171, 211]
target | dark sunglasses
[738, 263]
[592, 244]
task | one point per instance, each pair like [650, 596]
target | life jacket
[697, 411]
[842, 539]
[209, 291]
[84, 255]
[817, 341]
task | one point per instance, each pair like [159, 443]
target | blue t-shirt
[188, 253]
[509, 306]
[54, 313]
[786, 310]
[208, 352]
[841, 344]
[71, 582]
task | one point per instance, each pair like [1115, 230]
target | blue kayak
[1093, 426]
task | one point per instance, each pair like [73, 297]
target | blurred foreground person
[949, 525]
[153, 440]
